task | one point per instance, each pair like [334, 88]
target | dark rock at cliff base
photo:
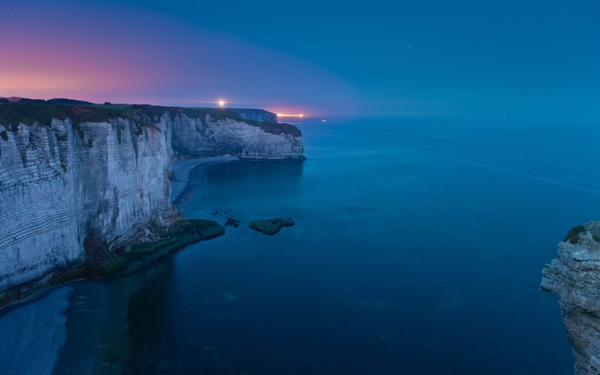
[209, 229]
[271, 226]
[135, 255]
[102, 261]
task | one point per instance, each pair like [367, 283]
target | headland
[85, 188]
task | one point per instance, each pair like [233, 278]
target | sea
[417, 248]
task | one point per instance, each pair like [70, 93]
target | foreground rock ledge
[102, 261]
[574, 278]
[271, 226]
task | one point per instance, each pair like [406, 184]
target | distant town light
[282, 115]
[221, 102]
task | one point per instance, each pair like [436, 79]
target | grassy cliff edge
[11, 114]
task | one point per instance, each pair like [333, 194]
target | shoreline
[181, 170]
[35, 330]
[25, 314]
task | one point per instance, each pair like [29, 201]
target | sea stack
[574, 278]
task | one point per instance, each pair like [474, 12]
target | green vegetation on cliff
[11, 114]
[102, 261]
[30, 111]
[573, 234]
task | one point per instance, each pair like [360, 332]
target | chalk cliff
[61, 183]
[574, 278]
[259, 115]
[71, 173]
[198, 132]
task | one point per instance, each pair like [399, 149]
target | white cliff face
[37, 203]
[259, 115]
[574, 278]
[204, 137]
[61, 183]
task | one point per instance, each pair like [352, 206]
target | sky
[427, 58]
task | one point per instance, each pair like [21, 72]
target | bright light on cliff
[221, 102]
[282, 115]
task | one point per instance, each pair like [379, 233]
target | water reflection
[147, 313]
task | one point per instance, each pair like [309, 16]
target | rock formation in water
[99, 175]
[271, 226]
[574, 278]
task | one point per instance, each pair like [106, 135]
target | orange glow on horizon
[40, 82]
[284, 115]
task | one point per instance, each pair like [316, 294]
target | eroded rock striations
[201, 133]
[574, 278]
[78, 181]
[259, 115]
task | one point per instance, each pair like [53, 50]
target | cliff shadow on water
[268, 172]
[273, 178]
[111, 325]
[147, 313]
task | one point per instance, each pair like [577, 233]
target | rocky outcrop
[99, 175]
[574, 278]
[271, 226]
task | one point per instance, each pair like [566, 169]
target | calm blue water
[417, 249]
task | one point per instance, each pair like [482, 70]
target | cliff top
[59, 101]
[27, 111]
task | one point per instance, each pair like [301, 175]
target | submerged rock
[271, 226]
[231, 221]
[574, 278]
